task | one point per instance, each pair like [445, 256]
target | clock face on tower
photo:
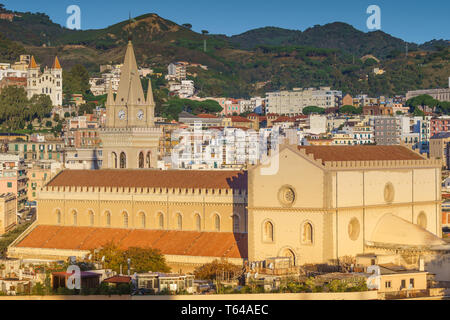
[140, 115]
[122, 114]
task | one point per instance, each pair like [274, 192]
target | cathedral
[322, 203]
[48, 82]
[130, 138]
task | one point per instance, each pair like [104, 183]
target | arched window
[142, 218]
[91, 218]
[161, 221]
[108, 219]
[123, 160]
[217, 222]
[422, 220]
[147, 160]
[125, 220]
[307, 234]
[114, 160]
[141, 160]
[268, 232]
[58, 216]
[236, 224]
[74, 218]
[179, 221]
[198, 223]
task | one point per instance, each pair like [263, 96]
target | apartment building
[176, 71]
[438, 94]
[38, 174]
[29, 150]
[293, 102]
[387, 130]
[13, 178]
[8, 212]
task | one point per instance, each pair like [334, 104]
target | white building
[176, 71]
[83, 159]
[317, 124]
[293, 102]
[185, 89]
[7, 71]
[48, 82]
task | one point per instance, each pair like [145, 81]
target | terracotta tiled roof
[169, 242]
[151, 179]
[284, 119]
[361, 153]
[239, 119]
[205, 115]
[118, 279]
[83, 274]
[56, 64]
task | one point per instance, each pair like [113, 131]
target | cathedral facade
[130, 139]
[321, 204]
[48, 82]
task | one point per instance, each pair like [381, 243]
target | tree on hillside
[187, 26]
[204, 33]
[313, 109]
[40, 106]
[87, 108]
[141, 259]
[209, 271]
[76, 80]
[14, 107]
[173, 107]
[349, 110]
[418, 113]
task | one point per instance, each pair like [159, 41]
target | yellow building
[323, 203]
[327, 202]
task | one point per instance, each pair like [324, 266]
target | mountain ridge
[318, 56]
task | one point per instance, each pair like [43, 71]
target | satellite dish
[248, 275]
[103, 259]
[256, 275]
[271, 266]
[90, 257]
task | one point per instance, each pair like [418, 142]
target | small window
[161, 221]
[198, 223]
[143, 222]
[108, 219]
[179, 222]
[268, 232]
[403, 284]
[9, 184]
[307, 237]
[236, 224]
[387, 284]
[91, 218]
[125, 220]
[411, 283]
[217, 222]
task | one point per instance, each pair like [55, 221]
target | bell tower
[130, 138]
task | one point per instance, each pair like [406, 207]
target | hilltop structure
[48, 82]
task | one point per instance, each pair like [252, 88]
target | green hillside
[252, 63]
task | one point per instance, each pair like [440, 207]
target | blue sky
[414, 21]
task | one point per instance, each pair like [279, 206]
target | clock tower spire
[130, 138]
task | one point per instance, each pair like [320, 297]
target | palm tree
[204, 32]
